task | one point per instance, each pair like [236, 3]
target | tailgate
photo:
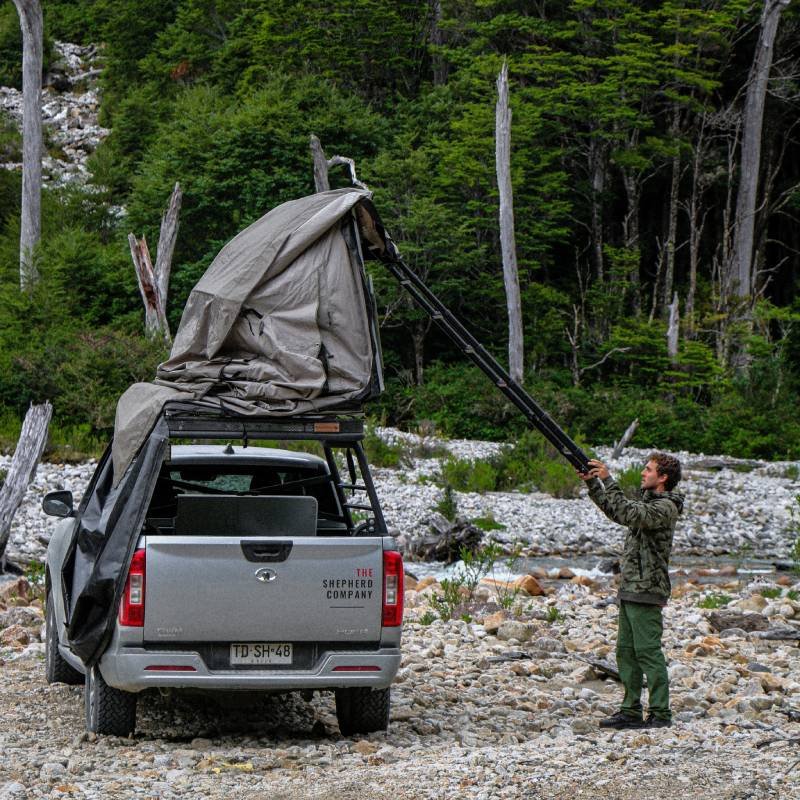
[294, 589]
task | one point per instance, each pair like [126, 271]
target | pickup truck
[254, 570]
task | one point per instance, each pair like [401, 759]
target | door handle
[266, 552]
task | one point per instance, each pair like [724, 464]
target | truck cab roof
[226, 453]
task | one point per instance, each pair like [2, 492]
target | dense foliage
[625, 162]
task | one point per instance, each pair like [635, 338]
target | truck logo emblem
[265, 575]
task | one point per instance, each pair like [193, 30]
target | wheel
[109, 711]
[56, 669]
[362, 710]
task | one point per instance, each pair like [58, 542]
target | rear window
[245, 479]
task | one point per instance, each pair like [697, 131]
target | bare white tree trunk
[672, 230]
[30, 22]
[620, 446]
[672, 330]
[321, 183]
[742, 262]
[166, 242]
[507, 243]
[322, 165]
[32, 439]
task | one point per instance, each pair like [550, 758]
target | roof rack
[204, 423]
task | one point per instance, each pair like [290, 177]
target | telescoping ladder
[478, 354]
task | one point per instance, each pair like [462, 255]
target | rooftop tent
[281, 323]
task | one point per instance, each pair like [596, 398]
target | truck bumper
[127, 669]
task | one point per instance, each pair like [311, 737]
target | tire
[56, 669]
[362, 710]
[109, 711]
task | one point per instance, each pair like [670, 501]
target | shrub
[533, 463]
[447, 505]
[382, 454]
[630, 481]
[469, 476]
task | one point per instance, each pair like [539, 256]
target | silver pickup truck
[253, 570]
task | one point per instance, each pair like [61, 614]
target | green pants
[639, 653]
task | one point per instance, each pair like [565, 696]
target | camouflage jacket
[651, 524]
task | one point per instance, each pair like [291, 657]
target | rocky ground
[503, 706]
[70, 106]
[741, 508]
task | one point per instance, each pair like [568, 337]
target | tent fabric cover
[109, 520]
[278, 325]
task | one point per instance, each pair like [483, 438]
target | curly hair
[669, 466]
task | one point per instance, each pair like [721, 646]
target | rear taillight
[392, 589]
[131, 611]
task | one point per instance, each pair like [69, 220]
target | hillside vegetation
[626, 143]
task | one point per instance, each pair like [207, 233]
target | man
[645, 587]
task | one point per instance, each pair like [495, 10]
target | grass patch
[714, 600]
[554, 615]
[792, 472]
[771, 592]
[488, 523]
[793, 594]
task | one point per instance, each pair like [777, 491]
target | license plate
[261, 653]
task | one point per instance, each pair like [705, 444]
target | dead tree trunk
[166, 242]
[620, 446]
[507, 242]
[30, 22]
[154, 283]
[322, 165]
[672, 330]
[672, 231]
[321, 183]
[32, 439]
[741, 268]
[630, 234]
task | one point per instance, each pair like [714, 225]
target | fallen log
[32, 439]
[445, 540]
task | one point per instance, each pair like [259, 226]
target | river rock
[746, 621]
[513, 629]
[755, 602]
[529, 585]
[15, 636]
[493, 622]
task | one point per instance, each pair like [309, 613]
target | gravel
[470, 719]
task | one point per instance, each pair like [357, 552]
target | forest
[655, 166]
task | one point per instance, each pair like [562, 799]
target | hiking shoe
[621, 720]
[658, 722]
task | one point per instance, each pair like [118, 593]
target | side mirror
[58, 504]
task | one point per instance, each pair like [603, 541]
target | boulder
[493, 622]
[513, 629]
[15, 636]
[409, 582]
[753, 603]
[529, 585]
[725, 618]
